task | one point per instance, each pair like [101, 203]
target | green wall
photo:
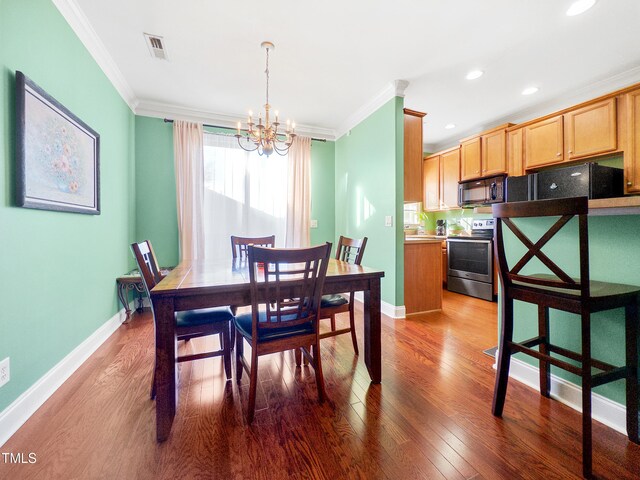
[323, 190]
[156, 214]
[156, 190]
[369, 186]
[59, 269]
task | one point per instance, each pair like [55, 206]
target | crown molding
[395, 88]
[79, 23]
[175, 112]
[557, 103]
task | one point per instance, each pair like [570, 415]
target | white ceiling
[333, 57]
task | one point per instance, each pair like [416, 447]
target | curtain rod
[168, 120]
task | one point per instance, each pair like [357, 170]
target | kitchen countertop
[413, 241]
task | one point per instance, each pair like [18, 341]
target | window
[244, 194]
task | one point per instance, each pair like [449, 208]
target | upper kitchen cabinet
[449, 177]
[591, 130]
[632, 153]
[484, 155]
[515, 152]
[543, 142]
[431, 181]
[413, 155]
[470, 159]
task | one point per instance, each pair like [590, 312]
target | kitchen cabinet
[484, 155]
[591, 130]
[413, 155]
[632, 153]
[431, 183]
[422, 276]
[470, 159]
[544, 144]
[449, 178]
[441, 176]
[515, 152]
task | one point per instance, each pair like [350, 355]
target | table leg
[633, 388]
[372, 331]
[166, 372]
[123, 296]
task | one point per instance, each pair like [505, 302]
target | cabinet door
[412, 158]
[591, 130]
[470, 159]
[431, 172]
[449, 178]
[514, 153]
[494, 153]
[445, 266]
[543, 142]
[632, 156]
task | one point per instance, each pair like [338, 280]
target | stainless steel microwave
[483, 191]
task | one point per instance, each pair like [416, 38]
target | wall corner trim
[604, 410]
[393, 89]
[79, 23]
[21, 409]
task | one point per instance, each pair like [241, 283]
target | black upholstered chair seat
[334, 300]
[243, 323]
[203, 316]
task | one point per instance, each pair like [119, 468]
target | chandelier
[265, 137]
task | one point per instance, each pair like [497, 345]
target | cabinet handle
[558, 154]
[570, 151]
[629, 184]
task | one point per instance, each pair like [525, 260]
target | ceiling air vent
[156, 46]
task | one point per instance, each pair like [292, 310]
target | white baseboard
[604, 410]
[389, 310]
[16, 414]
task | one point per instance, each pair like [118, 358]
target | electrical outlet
[314, 223]
[5, 375]
[388, 221]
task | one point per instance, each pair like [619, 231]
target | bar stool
[560, 291]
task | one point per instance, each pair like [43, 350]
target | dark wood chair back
[239, 244]
[147, 264]
[351, 250]
[566, 209]
[274, 273]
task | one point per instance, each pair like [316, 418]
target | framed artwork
[58, 155]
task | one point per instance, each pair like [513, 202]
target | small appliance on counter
[441, 228]
[586, 180]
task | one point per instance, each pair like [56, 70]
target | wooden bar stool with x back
[349, 250]
[558, 290]
[190, 323]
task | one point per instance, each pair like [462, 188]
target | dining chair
[558, 290]
[288, 284]
[190, 323]
[349, 250]
[239, 244]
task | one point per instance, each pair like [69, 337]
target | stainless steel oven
[470, 262]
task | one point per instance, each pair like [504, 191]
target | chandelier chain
[267, 72]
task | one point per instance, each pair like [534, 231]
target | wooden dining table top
[219, 275]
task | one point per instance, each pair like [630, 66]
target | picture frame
[57, 154]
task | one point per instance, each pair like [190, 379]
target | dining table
[195, 284]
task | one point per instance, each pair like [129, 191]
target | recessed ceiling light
[449, 126]
[580, 6]
[473, 74]
[529, 90]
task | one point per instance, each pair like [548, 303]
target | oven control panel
[483, 224]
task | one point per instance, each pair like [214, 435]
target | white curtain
[299, 194]
[187, 157]
[245, 194]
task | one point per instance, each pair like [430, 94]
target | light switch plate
[388, 221]
[5, 374]
[314, 223]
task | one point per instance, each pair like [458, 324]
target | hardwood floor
[429, 419]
